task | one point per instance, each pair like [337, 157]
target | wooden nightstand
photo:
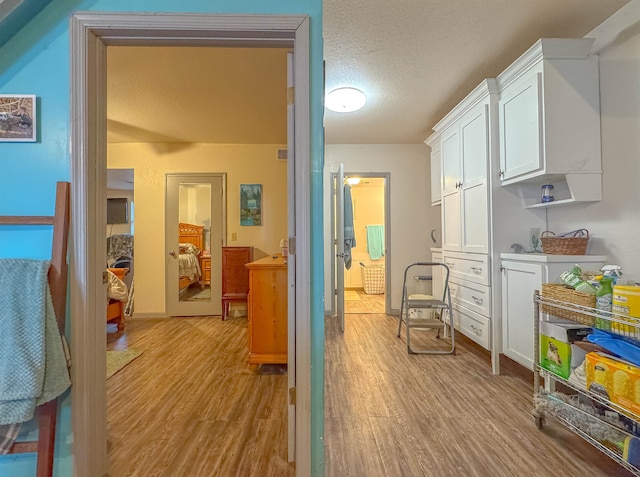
[235, 276]
[205, 267]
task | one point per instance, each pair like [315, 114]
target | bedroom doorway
[90, 34]
[194, 235]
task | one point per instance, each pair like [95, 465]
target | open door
[340, 256]
[291, 260]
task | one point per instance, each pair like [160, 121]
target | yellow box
[626, 301]
[615, 380]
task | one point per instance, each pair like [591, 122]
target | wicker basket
[372, 278]
[559, 292]
[576, 244]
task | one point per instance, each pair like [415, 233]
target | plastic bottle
[604, 299]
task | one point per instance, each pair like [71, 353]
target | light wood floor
[357, 301]
[388, 413]
[189, 406]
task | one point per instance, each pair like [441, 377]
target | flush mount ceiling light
[345, 100]
[353, 180]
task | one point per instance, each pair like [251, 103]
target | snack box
[626, 301]
[558, 354]
[615, 380]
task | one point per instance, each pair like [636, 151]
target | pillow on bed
[117, 289]
[189, 248]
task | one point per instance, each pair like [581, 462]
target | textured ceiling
[197, 94]
[415, 60]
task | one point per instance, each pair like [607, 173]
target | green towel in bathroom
[375, 241]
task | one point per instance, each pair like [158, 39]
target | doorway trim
[90, 34]
[387, 234]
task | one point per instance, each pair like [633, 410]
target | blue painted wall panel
[36, 61]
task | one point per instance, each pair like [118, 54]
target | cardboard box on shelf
[615, 380]
[558, 353]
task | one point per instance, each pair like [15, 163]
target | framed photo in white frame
[17, 118]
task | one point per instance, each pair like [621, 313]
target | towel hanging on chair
[33, 367]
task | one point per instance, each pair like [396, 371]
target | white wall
[614, 223]
[411, 214]
[243, 164]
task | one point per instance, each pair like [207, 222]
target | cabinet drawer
[471, 295]
[473, 325]
[468, 266]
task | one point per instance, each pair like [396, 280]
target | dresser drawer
[472, 296]
[473, 325]
[468, 266]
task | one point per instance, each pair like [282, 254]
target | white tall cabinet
[522, 274]
[467, 149]
[464, 151]
[538, 122]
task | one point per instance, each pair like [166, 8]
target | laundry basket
[372, 278]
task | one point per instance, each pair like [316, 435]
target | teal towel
[33, 366]
[375, 241]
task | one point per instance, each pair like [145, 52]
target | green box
[558, 354]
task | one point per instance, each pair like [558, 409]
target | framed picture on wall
[250, 204]
[17, 117]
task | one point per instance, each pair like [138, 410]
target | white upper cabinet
[451, 177]
[465, 136]
[549, 118]
[436, 168]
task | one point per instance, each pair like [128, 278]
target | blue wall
[36, 61]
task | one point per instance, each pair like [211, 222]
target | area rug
[116, 360]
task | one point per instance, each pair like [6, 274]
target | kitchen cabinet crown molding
[486, 88]
[548, 49]
[433, 141]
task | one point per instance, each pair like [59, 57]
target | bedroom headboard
[189, 233]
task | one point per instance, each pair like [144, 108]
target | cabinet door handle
[450, 265]
[476, 269]
[500, 174]
[476, 330]
[477, 300]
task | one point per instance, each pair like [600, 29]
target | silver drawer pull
[450, 265]
[476, 269]
[477, 300]
[476, 330]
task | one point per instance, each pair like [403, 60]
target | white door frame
[90, 34]
[387, 235]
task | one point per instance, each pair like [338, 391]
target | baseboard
[147, 315]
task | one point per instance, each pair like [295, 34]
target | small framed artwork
[250, 204]
[17, 117]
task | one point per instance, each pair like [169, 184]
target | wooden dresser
[267, 311]
[235, 276]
